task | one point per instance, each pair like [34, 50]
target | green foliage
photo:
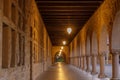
[61, 59]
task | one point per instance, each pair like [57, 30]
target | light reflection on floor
[61, 74]
[62, 71]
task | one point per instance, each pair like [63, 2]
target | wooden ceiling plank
[64, 17]
[57, 14]
[65, 14]
[92, 1]
[84, 6]
[67, 8]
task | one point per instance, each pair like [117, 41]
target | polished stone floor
[62, 71]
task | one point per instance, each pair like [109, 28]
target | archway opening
[60, 57]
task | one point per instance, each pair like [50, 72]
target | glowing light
[60, 53]
[62, 47]
[69, 30]
[64, 42]
[61, 50]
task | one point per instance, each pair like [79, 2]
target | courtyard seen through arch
[59, 39]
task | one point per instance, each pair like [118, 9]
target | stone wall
[25, 50]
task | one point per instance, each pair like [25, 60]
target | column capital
[88, 55]
[82, 56]
[102, 53]
[115, 51]
[94, 54]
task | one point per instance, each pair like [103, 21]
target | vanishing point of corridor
[59, 39]
[63, 71]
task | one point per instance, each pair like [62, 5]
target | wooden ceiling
[60, 14]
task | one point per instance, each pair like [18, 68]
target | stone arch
[80, 48]
[94, 53]
[103, 41]
[94, 44]
[82, 45]
[88, 45]
[88, 52]
[78, 44]
[63, 55]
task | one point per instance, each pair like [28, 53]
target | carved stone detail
[102, 54]
[115, 51]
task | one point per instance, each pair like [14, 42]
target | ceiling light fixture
[64, 42]
[59, 53]
[61, 50]
[69, 30]
[62, 47]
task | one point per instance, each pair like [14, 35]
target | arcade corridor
[62, 71]
[59, 39]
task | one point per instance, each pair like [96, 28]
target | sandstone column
[102, 65]
[79, 62]
[115, 65]
[88, 63]
[94, 63]
[84, 62]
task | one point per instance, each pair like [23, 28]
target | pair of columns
[93, 62]
[82, 62]
[115, 65]
[101, 57]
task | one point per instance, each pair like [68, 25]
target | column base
[83, 69]
[87, 70]
[115, 79]
[79, 67]
[102, 76]
[94, 73]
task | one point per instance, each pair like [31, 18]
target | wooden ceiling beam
[70, 19]
[66, 14]
[59, 14]
[66, 6]
[92, 1]
[64, 17]
[51, 10]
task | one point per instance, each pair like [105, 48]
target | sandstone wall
[25, 50]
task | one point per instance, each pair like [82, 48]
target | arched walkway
[62, 71]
